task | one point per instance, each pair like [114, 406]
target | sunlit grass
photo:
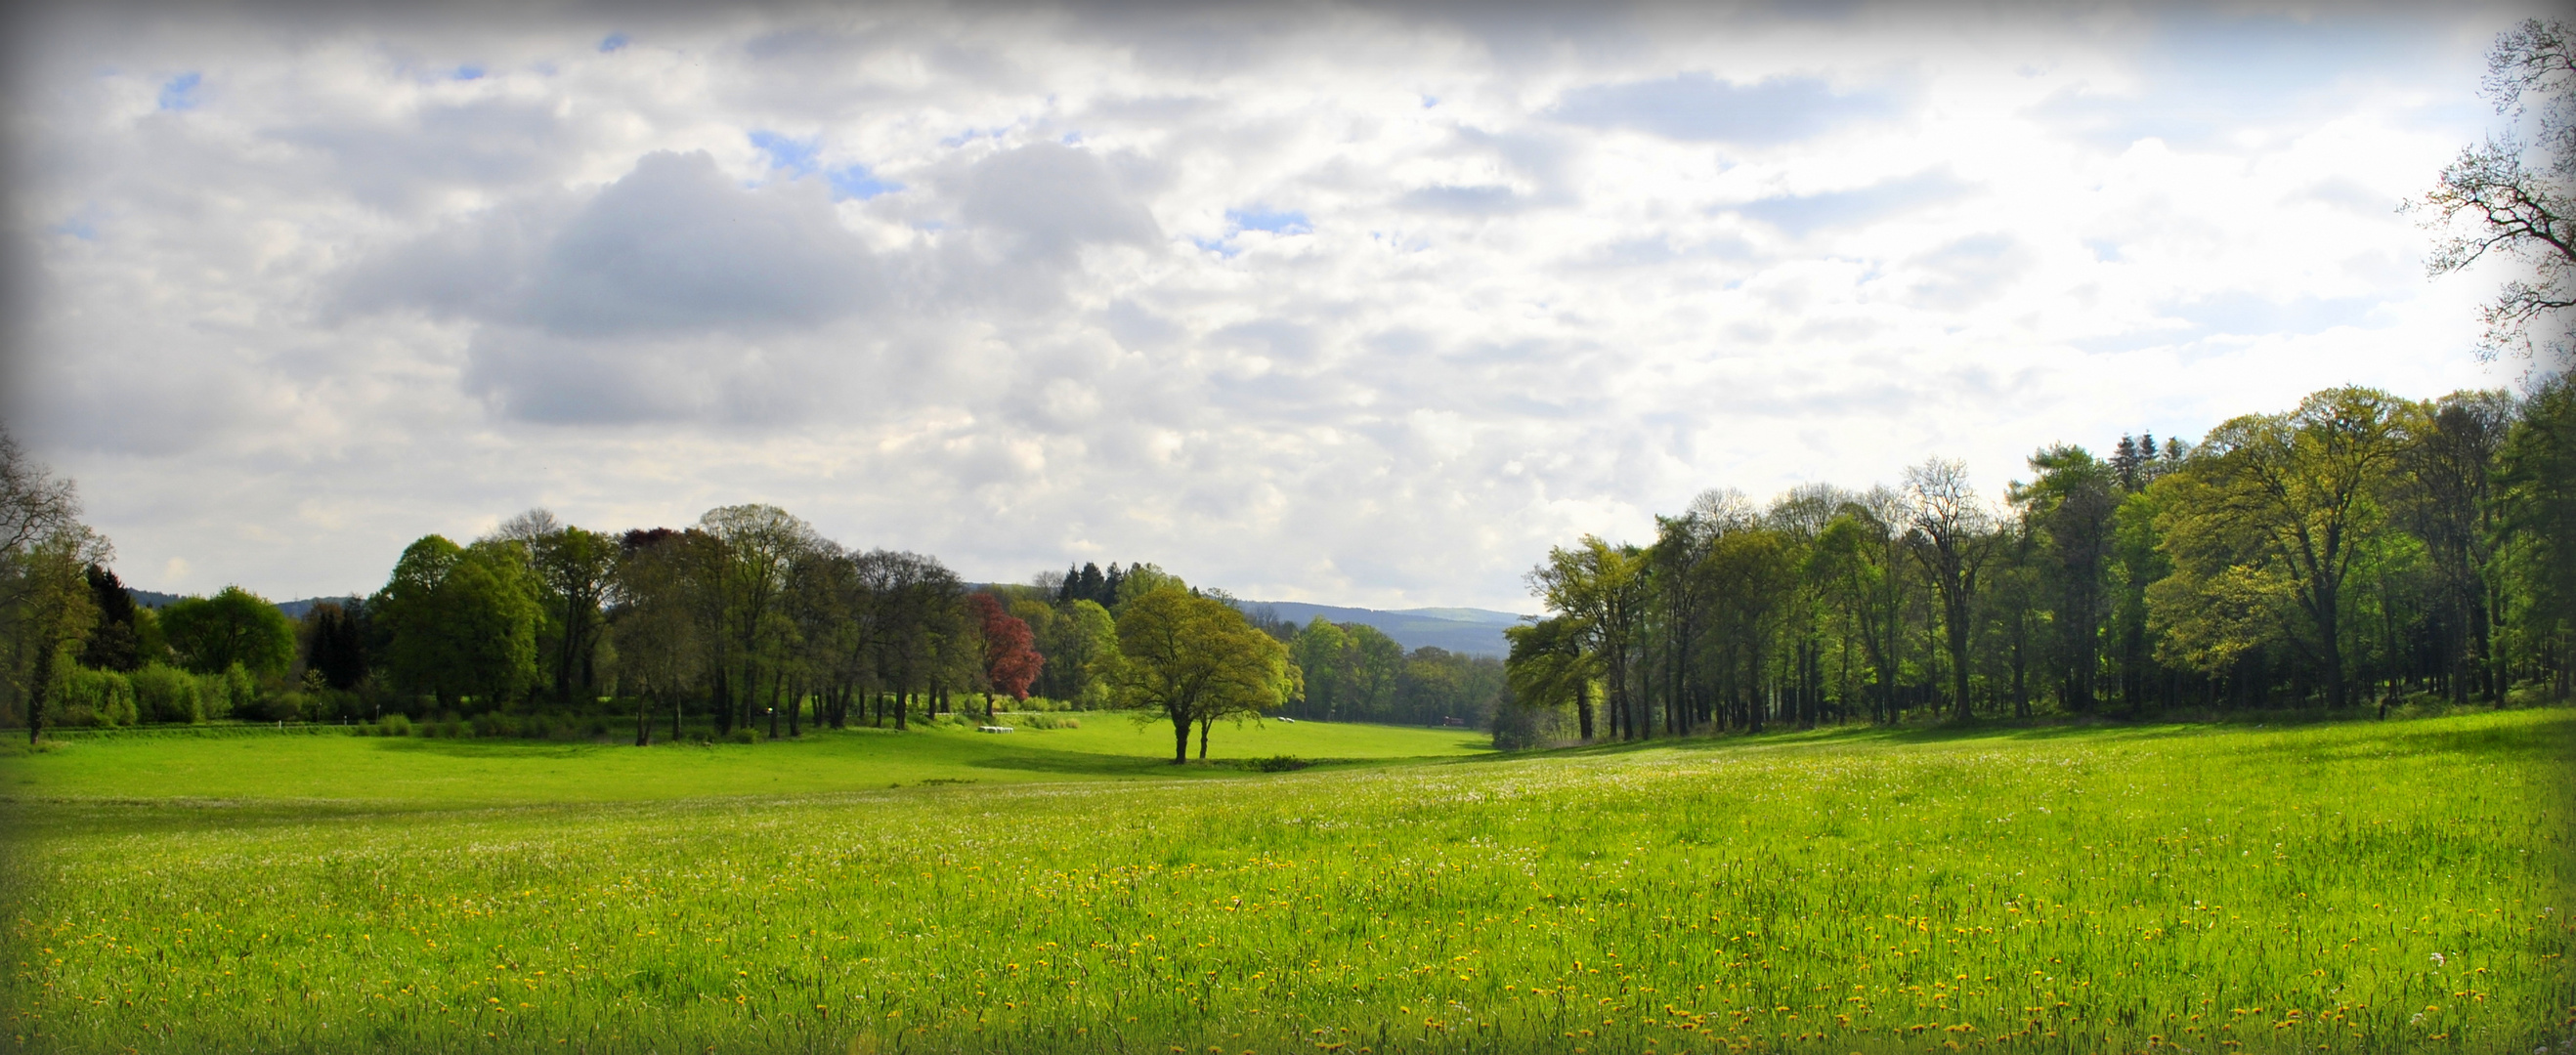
[431, 771]
[2355, 888]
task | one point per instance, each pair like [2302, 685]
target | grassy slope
[490, 772]
[2355, 888]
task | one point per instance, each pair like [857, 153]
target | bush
[1037, 703]
[92, 697]
[742, 734]
[1044, 721]
[1279, 763]
[228, 694]
[286, 706]
[167, 694]
[395, 724]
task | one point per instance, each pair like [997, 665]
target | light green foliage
[93, 697]
[2358, 888]
[2293, 499]
[1144, 578]
[1075, 637]
[166, 694]
[1187, 660]
[233, 626]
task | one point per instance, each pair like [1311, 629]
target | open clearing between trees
[2345, 887]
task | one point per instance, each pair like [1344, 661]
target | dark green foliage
[335, 643]
[235, 626]
[114, 643]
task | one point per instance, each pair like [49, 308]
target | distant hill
[151, 598]
[1475, 631]
[296, 609]
[293, 609]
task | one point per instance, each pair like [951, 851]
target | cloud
[1700, 108]
[1798, 215]
[1350, 305]
[673, 247]
[1054, 199]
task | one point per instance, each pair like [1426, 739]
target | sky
[1362, 305]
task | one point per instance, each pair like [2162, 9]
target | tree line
[746, 624]
[2356, 549]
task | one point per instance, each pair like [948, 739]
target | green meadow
[2342, 887]
[327, 765]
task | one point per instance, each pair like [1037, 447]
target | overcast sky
[1351, 305]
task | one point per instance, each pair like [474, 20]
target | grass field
[428, 772]
[2354, 887]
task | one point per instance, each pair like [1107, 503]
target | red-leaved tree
[1011, 659]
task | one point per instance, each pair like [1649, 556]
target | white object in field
[1285, 718]
[992, 728]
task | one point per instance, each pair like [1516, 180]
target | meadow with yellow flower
[2340, 887]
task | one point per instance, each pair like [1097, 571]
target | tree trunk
[1180, 738]
[1583, 708]
[643, 720]
[1204, 725]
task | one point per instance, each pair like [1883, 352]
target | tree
[2536, 519]
[462, 621]
[2513, 205]
[574, 568]
[1600, 588]
[1856, 564]
[46, 602]
[1548, 668]
[2070, 511]
[756, 545]
[1193, 660]
[1322, 654]
[2288, 499]
[335, 643]
[1010, 660]
[1951, 534]
[116, 643]
[2444, 497]
[211, 634]
[654, 626]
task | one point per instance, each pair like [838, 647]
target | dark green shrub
[167, 694]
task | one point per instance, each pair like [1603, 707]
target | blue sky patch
[469, 72]
[855, 181]
[181, 92]
[611, 42]
[1281, 221]
[794, 155]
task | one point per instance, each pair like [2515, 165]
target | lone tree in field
[1191, 659]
